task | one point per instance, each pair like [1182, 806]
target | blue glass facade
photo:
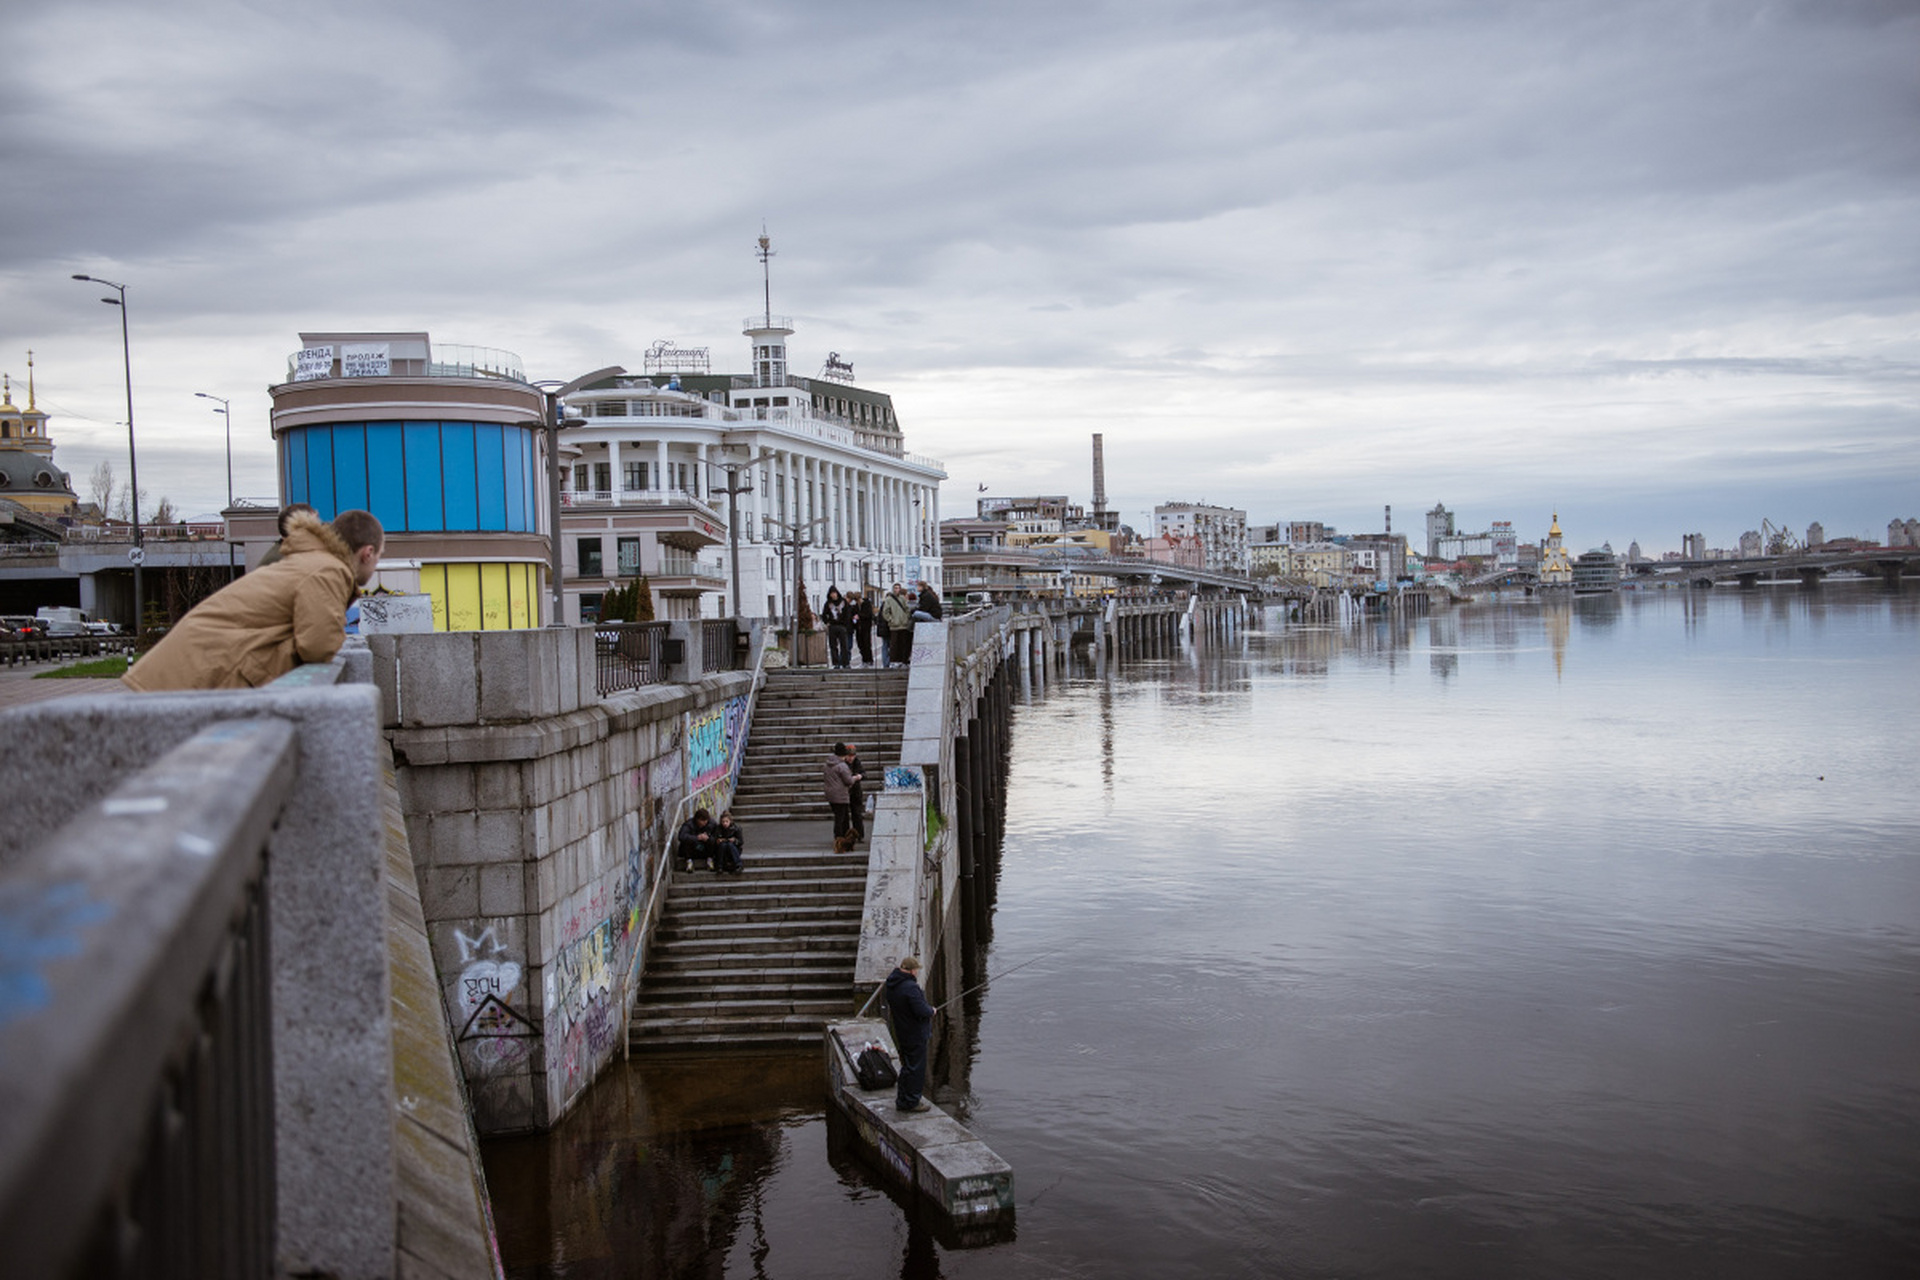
[417, 477]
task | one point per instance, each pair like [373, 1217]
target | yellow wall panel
[433, 581]
[493, 597]
[463, 597]
[520, 589]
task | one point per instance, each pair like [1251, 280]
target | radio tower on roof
[766, 272]
[769, 334]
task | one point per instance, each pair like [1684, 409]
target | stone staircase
[759, 961]
[763, 961]
[799, 716]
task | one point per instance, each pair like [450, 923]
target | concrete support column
[979, 769]
[963, 808]
[660, 465]
[614, 477]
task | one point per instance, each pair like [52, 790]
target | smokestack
[1389, 517]
[1099, 482]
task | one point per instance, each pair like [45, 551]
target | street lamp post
[226, 411]
[554, 391]
[139, 552]
[799, 536]
[733, 491]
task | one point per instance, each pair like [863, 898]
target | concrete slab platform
[928, 1152]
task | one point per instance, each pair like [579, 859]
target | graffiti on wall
[493, 1033]
[716, 743]
[582, 1020]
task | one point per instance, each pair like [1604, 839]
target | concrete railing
[157, 848]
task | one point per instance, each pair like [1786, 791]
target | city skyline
[1644, 265]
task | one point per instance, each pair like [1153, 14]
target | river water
[1525, 939]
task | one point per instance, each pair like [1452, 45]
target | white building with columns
[648, 458]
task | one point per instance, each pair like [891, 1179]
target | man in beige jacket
[273, 619]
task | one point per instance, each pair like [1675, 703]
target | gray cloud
[1299, 256]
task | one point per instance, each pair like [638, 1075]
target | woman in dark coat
[833, 611]
[863, 628]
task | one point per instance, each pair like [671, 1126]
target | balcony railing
[679, 564]
[638, 498]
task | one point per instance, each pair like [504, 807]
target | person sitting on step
[695, 841]
[729, 845]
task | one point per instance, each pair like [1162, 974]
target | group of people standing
[853, 618]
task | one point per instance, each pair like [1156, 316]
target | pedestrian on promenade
[840, 779]
[261, 626]
[857, 793]
[863, 627]
[729, 845]
[927, 608]
[881, 625]
[899, 619]
[696, 839]
[912, 1028]
[833, 611]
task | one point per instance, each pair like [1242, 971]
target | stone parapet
[537, 824]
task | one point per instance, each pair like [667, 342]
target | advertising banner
[313, 362]
[364, 360]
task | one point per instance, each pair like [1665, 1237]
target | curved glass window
[417, 477]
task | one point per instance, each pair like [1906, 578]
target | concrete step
[804, 966]
[747, 890]
[771, 916]
[709, 1038]
[760, 942]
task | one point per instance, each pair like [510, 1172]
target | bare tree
[164, 513]
[101, 488]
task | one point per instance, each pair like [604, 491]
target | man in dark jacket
[839, 783]
[912, 1028]
[696, 839]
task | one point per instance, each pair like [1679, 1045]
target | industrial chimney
[1100, 484]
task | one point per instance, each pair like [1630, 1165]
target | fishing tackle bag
[874, 1067]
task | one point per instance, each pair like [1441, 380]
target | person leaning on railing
[263, 625]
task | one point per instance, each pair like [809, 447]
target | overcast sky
[1652, 264]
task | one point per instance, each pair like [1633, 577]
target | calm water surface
[1521, 940]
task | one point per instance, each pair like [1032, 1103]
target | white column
[613, 471]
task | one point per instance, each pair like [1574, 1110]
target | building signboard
[311, 363]
[364, 360]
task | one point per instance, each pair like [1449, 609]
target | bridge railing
[139, 1077]
[197, 1066]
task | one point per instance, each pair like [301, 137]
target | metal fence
[719, 645]
[15, 653]
[629, 654]
[141, 1078]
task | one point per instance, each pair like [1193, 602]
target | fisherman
[912, 1028]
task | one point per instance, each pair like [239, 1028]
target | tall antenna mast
[766, 272]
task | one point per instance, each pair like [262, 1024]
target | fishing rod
[970, 990]
[1003, 973]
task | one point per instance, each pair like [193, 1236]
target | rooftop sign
[664, 357]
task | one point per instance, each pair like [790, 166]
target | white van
[62, 620]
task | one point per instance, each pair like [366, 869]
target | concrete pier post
[977, 770]
[963, 785]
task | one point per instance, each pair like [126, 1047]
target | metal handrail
[663, 867]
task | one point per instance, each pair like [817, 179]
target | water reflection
[1588, 951]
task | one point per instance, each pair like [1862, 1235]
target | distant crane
[1777, 539]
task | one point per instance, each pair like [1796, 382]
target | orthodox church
[28, 478]
[1556, 566]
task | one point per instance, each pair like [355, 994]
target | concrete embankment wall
[537, 811]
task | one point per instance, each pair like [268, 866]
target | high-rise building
[1439, 525]
[1222, 532]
